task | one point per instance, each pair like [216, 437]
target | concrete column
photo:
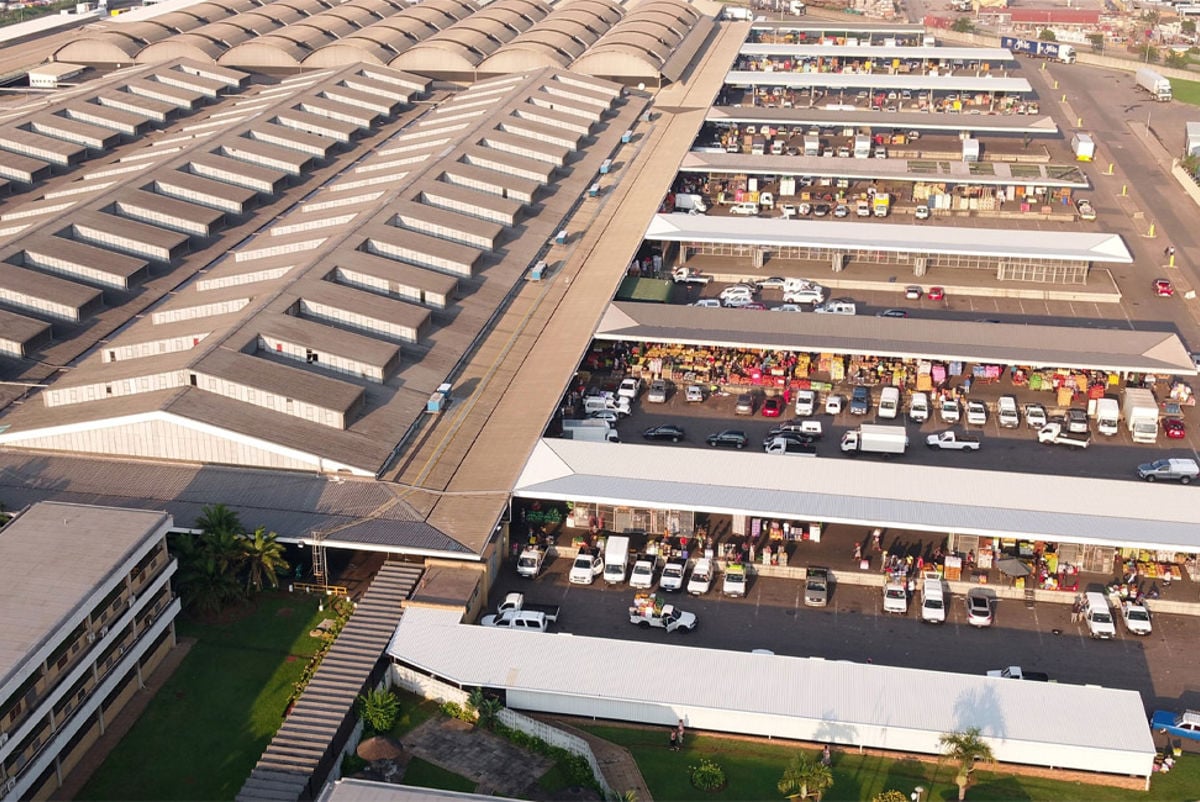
[1000, 271]
[760, 257]
[137, 667]
[100, 719]
[920, 265]
[838, 262]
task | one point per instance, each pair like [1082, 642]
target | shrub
[352, 764]
[890, 795]
[707, 776]
[379, 710]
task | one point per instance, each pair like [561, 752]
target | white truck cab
[1098, 616]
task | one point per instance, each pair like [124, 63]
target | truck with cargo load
[516, 601]
[529, 563]
[1108, 416]
[1150, 81]
[952, 441]
[1055, 433]
[1083, 147]
[874, 439]
[591, 430]
[648, 610]
[1140, 410]
[1035, 48]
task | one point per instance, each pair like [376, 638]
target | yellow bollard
[1064, 100]
[1078, 122]
[1110, 168]
[1171, 261]
[1151, 232]
[1124, 190]
[1044, 67]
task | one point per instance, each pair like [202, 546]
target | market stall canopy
[1011, 566]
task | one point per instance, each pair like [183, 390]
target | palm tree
[205, 587]
[218, 518]
[965, 748]
[228, 548]
[263, 556]
[804, 778]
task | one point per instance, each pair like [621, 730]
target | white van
[1006, 412]
[1108, 416]
[918, 407]
[933, 603]
[1098, 616]
[889, 402]
[806, 403]
[744, 209]
[599, 403]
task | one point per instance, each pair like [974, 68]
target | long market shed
[833, 81]
[1086, 728]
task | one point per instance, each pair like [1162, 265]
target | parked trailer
[1084, 147]
[872, 439]
[1055, 51]
[1158, 86]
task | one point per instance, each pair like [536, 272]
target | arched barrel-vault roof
[557, 40]
[383, 41]
[639, 46]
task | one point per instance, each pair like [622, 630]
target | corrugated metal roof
[943, 54]
[1125, 513]
[1054, 246]
[1118, 350]
[1075, 726]
[848, 80]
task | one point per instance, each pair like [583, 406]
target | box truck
[690, 203]
[1158, 86]
[812, 145]
[873, 439]
[616, 559]
[1108, 416]
[591, 430]
[862, 147]
[1083, 147]
[1141, 414]
[1055, 51]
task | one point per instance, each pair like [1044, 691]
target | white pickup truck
[529, 564]
[516, 601]
[1136, 618]
[1055, 434]
[1015, 672]
[950, 440]
[648, 611]
[686, 275]
[526, 620]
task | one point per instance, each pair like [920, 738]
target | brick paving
[498, 766]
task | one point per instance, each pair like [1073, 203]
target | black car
[821, 209]
[892, 313]
[667, 431]
[728, 438]
[791, 436]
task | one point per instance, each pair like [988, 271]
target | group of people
[677, 737]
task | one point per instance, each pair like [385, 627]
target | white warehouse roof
[844, 80]
[1048, 724]
[866, 51]
[989, 242]
[923, 498]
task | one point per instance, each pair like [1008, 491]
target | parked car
[1174, 428]
[979, 610]
[892, 313]
[755, 306]
[921, 212]
[609, 415]
[658, 392]
[913, 292]
[976, 413]
[772, 407]
[694, 394]
[950, 410]
[701, 579]
[841, 210]
[772, 283]
[1085, 209]
[806, 403]
[737, 302]
[629, 388]
[821, 210]
[1077, 421]
[833, 404]
[736, 291]
[707, 303]
[787, 308]
[1180, 725]
[936, 294]
[667, 431]
[728, 438]
[1035, 416]
[745, 404]
[1163, 288]
[860, 401]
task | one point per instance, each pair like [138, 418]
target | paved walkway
[499, 767]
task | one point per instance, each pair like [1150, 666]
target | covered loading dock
[932, 122]
[1034, 256]
[1086, 728]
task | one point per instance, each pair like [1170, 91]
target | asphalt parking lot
[1113, 457]
[853, 627]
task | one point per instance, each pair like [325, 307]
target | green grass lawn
[426, 775]
[204, 731]
[414, 711]
[1186, 91]
[753, 769]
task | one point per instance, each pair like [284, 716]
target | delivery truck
[1083, 147]
[690, 203]
[591, 430]
[874, 439]
[1141, 414]
[1055, 51]
[1108, 416]
[616, 559]
[1158, 86]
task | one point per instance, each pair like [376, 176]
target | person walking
[674, 745]
[826, 758]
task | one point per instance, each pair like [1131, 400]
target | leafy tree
[218, 518]
[1177, 60]
[263, 558]
[1048, 35]
[1097, 40]
[890, 795]
[965, 748]
[1147, 53]
[379, 709]
[963, 25]
[804, 778]
[1187, 26]
[487, 708]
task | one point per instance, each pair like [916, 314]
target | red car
[756, 306]
[772, 407]
[1163, 287]
[936, 294]
[1175, 428]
